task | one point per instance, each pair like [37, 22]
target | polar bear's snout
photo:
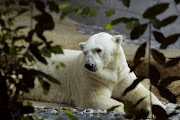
[91, 67]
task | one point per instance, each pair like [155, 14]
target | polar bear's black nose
[90, 67]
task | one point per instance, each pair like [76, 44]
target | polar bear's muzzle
[91, 67]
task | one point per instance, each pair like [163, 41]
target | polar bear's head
[100, 50]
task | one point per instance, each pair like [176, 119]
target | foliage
[138, 29]
[15, 57]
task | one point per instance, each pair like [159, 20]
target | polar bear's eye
[98, 50]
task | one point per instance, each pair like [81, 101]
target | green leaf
[131, 25]
[159, 37]
[109, 12]
[64, 5]
[70, 114]
[155, 10]
[46, 52]
[156, 23]
[93, 12]
[126, 2]
[56, 49]
[85, 12]
[78, 10]
[158, 57]
[170, 40]
[63, 65]
[138, 31]
[99, 2]
[66, 13]
[113, 23]
[154, 75]
[167, 81]
[140, 53]
[169, 20]
[10, 22]
[112, 108]
[133, 85]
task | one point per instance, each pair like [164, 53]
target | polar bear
[93, 76]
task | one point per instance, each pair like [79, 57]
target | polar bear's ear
[117, 39]
[81, 45]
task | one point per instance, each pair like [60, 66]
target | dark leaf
[166, 93]
[24, 2]
[166, 81]
[85, 12]
[155, 10]
[34, 50]
[156, 23]
[172, 62]
[159, 37]
[19, 38]
[41, 36]
[109, 12]
[177, 108]
[158, 57]
[138, 102]
[48, 77]
[154, 75]
[45, 85]
[93, 12]
[2, 23]
[173, 114]
[135, 65]
[19, 28]
[113, 23]
[39, 5]
[99, 2]
[27, 109]
[169, 20]
[29, 37]
[140, 53]
[112, 108]
[53, 6]
[159, 112]
[132, 112]
[138, 31]
[66, 13]
[177, 1]
[45, 22]
[169, 40]
[21, 12]
[133, 85]
[126, 2]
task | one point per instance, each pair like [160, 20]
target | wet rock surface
[52, 113]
